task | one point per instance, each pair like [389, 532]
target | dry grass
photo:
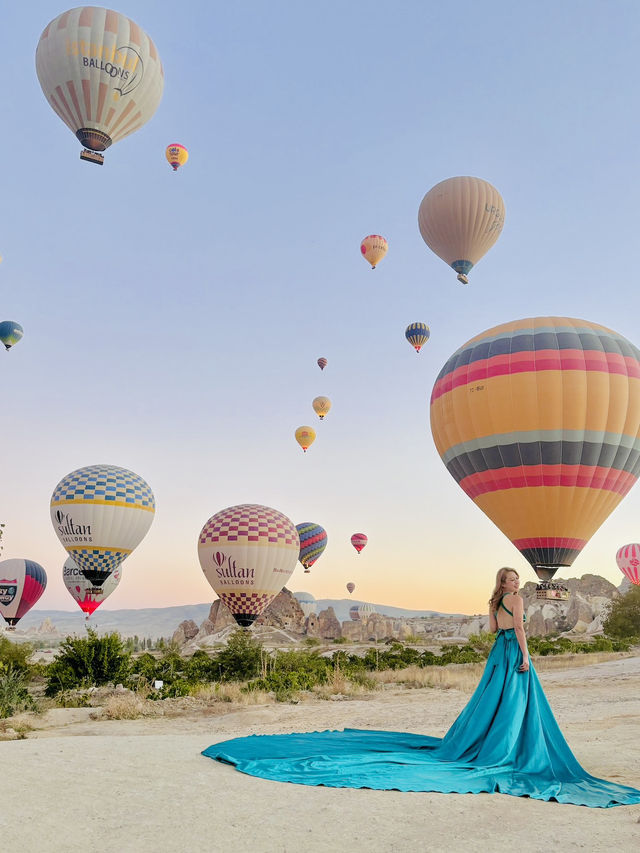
[340, 685]
[127, 706]
[461, 676]
[232, 692]
[552, 662]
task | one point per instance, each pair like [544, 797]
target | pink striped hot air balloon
[322, 362]
[22, 582]
[628, 560]
[359, 540]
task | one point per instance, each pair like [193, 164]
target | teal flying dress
[506, 740]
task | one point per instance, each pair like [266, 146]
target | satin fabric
[506, 740]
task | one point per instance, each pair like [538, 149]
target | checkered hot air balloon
[22, 582]
[628, 560]
[100, 514]
[248, 553]
[313, 541]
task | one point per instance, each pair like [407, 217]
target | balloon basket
[92, 157]
[549, 591]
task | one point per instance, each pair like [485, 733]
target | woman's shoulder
[512, 599]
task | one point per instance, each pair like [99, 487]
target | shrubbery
[88, 662]
[622, 619]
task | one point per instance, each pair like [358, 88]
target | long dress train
[505, 740]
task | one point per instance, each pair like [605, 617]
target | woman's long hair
[498, 591]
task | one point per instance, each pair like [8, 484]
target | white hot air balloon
[101, 74]
[100, 514]
[248, 553]
[88, 596]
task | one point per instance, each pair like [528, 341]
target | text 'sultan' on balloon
[628, 560]
[313, 541]
[538, 421]
[100, 514]
[22, 582]
[248, 553]
[460, 219]
[87, 595]
[101, 74]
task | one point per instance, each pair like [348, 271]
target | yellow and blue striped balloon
[417, 334]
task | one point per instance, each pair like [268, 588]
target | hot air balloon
[177, 155]
[373, 249]
[313, 541]
[322, 363]
[417, 334]
[321, 406]
[460, 219]
[538, 421]
[10, 333]
[22, 582]
[361, 612]
[350, 587]
[359, 540]
[628, 560]
[88, 596]
[305, 436]
[2, 526]
[101, 74]
[248, 553]
[100, 514]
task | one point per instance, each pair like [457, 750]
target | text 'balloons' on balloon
[22, 582]
[460, 219]
[373, 249]
[100, 513]
[177, 155]
[628, 560]
[305, 436]
[248, 553]
[101, 74]
[313, 541]
[321, 406]
[538, 421]
[350, 587]
[88, 596]
[322, 363]
[417, 334]
[10, 333]
[359, 540]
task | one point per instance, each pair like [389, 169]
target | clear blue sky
[173, 321]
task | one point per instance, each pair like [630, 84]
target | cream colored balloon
[321, 406]
[101, 74]
[460, 219]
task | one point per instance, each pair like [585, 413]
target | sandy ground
[141, 785]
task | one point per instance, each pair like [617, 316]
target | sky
[173, 321]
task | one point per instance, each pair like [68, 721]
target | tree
[241, 659]
[623, 615]
[88, 662]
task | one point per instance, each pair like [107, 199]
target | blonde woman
[505, 740]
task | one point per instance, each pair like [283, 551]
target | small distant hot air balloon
[248, 553]
[2, 526]
[373, 249]
[88, 596]
[313, 541]
[361, 612]
[22, 582]
[417, 334]
[100, 514]
[10, 333]
[350, 587]
[322, 363]
[628, 560]
[177, 155]
[101, 74]
[321, 406]
[359, 540]
[460, 219]
[305, 436]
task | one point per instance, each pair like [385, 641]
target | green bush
[241, 659]
[14, 696]
[622, 618]
[88, 662]
[15, 655]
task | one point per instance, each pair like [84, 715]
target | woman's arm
[518, 625]
[493, 622]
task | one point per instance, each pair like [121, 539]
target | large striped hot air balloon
[628, 560]
[313, 541]
[460, 219]
[417, 334]
[22, 582]
[538, 421]
[248, 553]
[101, 74]
[100, 514]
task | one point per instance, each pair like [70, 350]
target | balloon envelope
[322, 363]
[22, 582]
[10, 333]
[460, 219]
[313, 541]
[101, 74]
[350, 587]
[359, 540]
[247, 553]
[100, 514]
[628, 560]
[321, 406]
[538, 421]
[361, 612]
[177, 155]
[417, 334]
[88, 596]
[305, 436]
[373, 249]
